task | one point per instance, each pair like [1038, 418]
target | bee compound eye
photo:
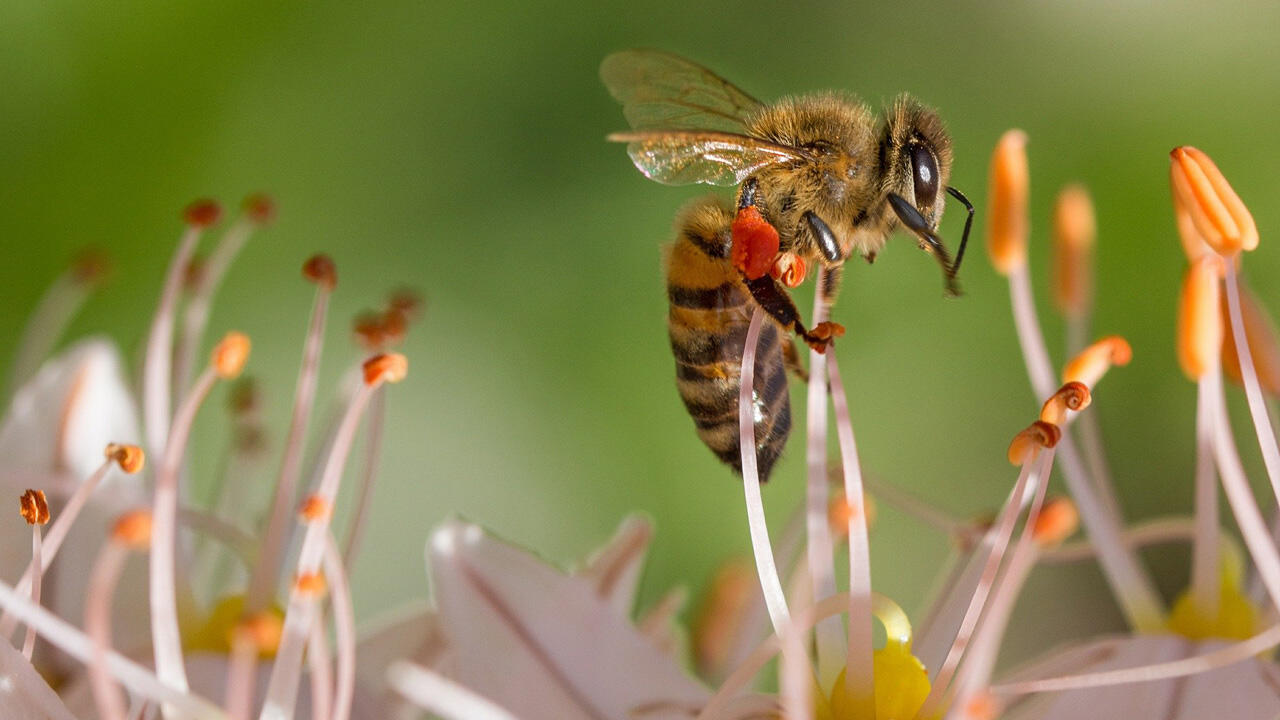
[924, 172]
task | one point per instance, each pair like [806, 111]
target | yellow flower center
[1236, 617]
[214, 635]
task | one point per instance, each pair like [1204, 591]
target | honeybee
[819, 178]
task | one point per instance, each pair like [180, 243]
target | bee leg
[929, 240]
[747, 196]
[775, 301]
[791, 359]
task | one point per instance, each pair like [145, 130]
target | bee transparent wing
[661, 91]
[714, 158]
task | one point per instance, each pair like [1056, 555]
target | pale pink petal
[615, 568]
[541, 643]
[24, 695]
[1243, 691]
[411, 633]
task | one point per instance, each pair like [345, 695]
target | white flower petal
[615, 568]
[411, 633]
[1245, 690]
[24, 695]
[540, 643]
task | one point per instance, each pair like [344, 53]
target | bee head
[916, 157]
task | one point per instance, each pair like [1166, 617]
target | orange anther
[1199, 317]
[130, 458]
[1093, 362]
[1057, 521]
[370, 331]
[314, 508]
[133, 529]
[1074, 232]
[320, 270]
[1071, 396]
[202, 213]
[789, 269]
[1218, 214]
[263, 630]
[310, 584]
[90, 265]
[1027, 443]
[35, 509]
[260, 208]
[1007, 225]
[230, 355]
[387, 367]
[840, 512]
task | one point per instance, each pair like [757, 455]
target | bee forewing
[683, 158]
[659, 90]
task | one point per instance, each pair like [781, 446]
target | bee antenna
[968, 223]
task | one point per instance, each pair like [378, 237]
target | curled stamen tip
[1057, 521]
[1074, 232]
[310, 584]
[314, 508]
[35, 509]
[1216, 211]
[133, 529]
[321, 270]
[130, 458]
[263, 630]
[260, 208]
[1093, 362]
[1072, 396]
[1200, 327]
[202, 213]
[1007, 203]
[1026, 444]
[230, 354]
[388, 367]
[91, 265]
[789, 269]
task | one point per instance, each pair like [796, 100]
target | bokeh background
[458, 148]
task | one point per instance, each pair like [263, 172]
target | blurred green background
[458, 148]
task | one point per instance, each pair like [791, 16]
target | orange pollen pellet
[263, 629]
[230, 354]
[35, 509]
[1057, 521]
[1007, 224]
[1215, 209]
[1071, 396]
[259, 207]
[202, 213]
[321, 270]
[314, 508]
[1093, 362]
[1027, 443]
[130, 458]
[1074, 233]
[1200, 326]
[388, 367]
[133, 529]
[310, 584]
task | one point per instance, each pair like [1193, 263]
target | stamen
[376, 416]
[1073, 397]
[1217, 213]
[1094, 361]
[723, 611]
[1074, 233]
[131, 532]
[315, 508]
[35, 510]
[1200, 318]
[388, 367]
[320, 666]
[1253, 390]
[407, 302]
[227, 360]
[1264, 344]
[368, 329]
[437, 694]
[262, 584]
[59, 304]
[1007, 226]
[1058, 520]
[156, 364]
[1027, 443]
[344, 622]
[311, 585]
[130, 458]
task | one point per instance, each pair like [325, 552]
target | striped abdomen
[710, 311]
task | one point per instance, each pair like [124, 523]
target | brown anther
[723, 614]
[91, 265]
[310, 584]
[133, 529]
[314, 508]
[130, 458]
[820, 337]
[245, 397]
[1027, 443]
[1264, 343]
[1071, 396]
[387, 367]
[369, 330]
[259, 207]
[263, 630]
[202, 213]
[230, 355]
[1093, 362]
[1217, 213]
[35, 509]
[1074, 233]
[394, 326]
[408, 302]
[1200, 322]
[250, 439]
[1057, 521]
[1007, 225]
[320, 270]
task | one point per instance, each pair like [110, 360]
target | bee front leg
[775, 301]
